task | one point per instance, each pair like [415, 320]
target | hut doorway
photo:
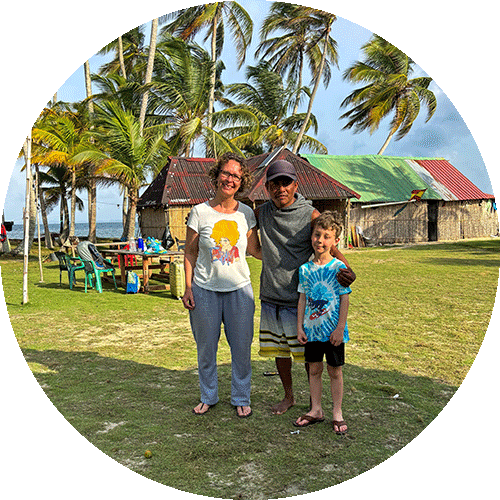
[432, 215]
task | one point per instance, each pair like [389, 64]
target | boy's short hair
[328, 221]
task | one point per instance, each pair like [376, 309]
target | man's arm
[345, 276]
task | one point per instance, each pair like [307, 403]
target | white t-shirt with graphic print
[221, 265]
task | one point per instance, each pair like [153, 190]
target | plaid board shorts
[278, 332]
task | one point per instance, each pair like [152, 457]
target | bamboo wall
[177, 220]
[154, 220]
[466, 219]
[455, 220]
[380, 225]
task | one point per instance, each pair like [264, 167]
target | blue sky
[446, 135]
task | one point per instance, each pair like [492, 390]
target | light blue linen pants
[235, 310]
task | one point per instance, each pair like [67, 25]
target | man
[285, 234]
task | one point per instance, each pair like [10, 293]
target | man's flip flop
[339, 424]
[310, 420]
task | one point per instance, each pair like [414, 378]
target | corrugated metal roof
[452, 179]
[185, 181]
[188, 182]
[425, 175]
[385, 178]
[313, 183]
[376, 178]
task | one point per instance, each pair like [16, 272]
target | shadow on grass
[124, 407]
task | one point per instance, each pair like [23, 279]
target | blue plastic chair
[93, 274]
[69, 264]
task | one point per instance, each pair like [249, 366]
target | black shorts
[335, 355]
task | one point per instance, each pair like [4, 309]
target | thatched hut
[451, 207]
[184, 182]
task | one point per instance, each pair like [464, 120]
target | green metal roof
[376, 178]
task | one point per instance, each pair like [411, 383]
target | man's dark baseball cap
[281, 168]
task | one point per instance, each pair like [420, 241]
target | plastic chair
[66, 264]
[94, 273]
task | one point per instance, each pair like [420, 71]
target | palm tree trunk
[299, 85]
[120, 57]
[30, 209]
[129, 226]
[149, 71]
[73, 202]
[211, 96]
[92, 210]
[43, 209]
[92, 189]
[311, 100]
[386, 143]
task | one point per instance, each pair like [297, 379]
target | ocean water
[111, 230]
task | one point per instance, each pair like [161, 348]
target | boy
[321, 320]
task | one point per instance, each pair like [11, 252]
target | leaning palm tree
[149, 72]
[214, 17]
[322, 48]
[386, 71]
[295, 44]
[122, 154]
[181, 84]
[129, 54]
[268, 102]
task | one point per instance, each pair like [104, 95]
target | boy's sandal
[339, 424]
[310, 420]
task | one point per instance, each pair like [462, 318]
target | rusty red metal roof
[185, 181]
[313, 183]
[452, 179]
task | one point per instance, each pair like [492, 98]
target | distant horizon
[77, 222]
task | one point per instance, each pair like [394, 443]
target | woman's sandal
[203, 412]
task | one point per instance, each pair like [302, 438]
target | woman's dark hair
[223, 160]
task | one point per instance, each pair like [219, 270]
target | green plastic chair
[93, 274]
[69, 264]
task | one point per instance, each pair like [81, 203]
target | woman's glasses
[229, 175]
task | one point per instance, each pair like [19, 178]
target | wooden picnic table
[146, 266]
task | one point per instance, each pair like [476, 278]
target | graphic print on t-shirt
[225, 234]
[321, 297]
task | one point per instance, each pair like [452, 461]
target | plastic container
[177, 278]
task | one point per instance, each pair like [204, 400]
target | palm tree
[55, 189]
[123, 154]
[296, 44]
[214, 17]
[181, 84]
[300, 31]
[268, 102]
[149, 72]
[58, 135]
[321, 23]
[129, 54]
[386, 70]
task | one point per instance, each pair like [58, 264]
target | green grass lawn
[122, 370]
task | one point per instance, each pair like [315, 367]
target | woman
[218, 291]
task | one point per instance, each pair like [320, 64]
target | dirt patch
[140, 337]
